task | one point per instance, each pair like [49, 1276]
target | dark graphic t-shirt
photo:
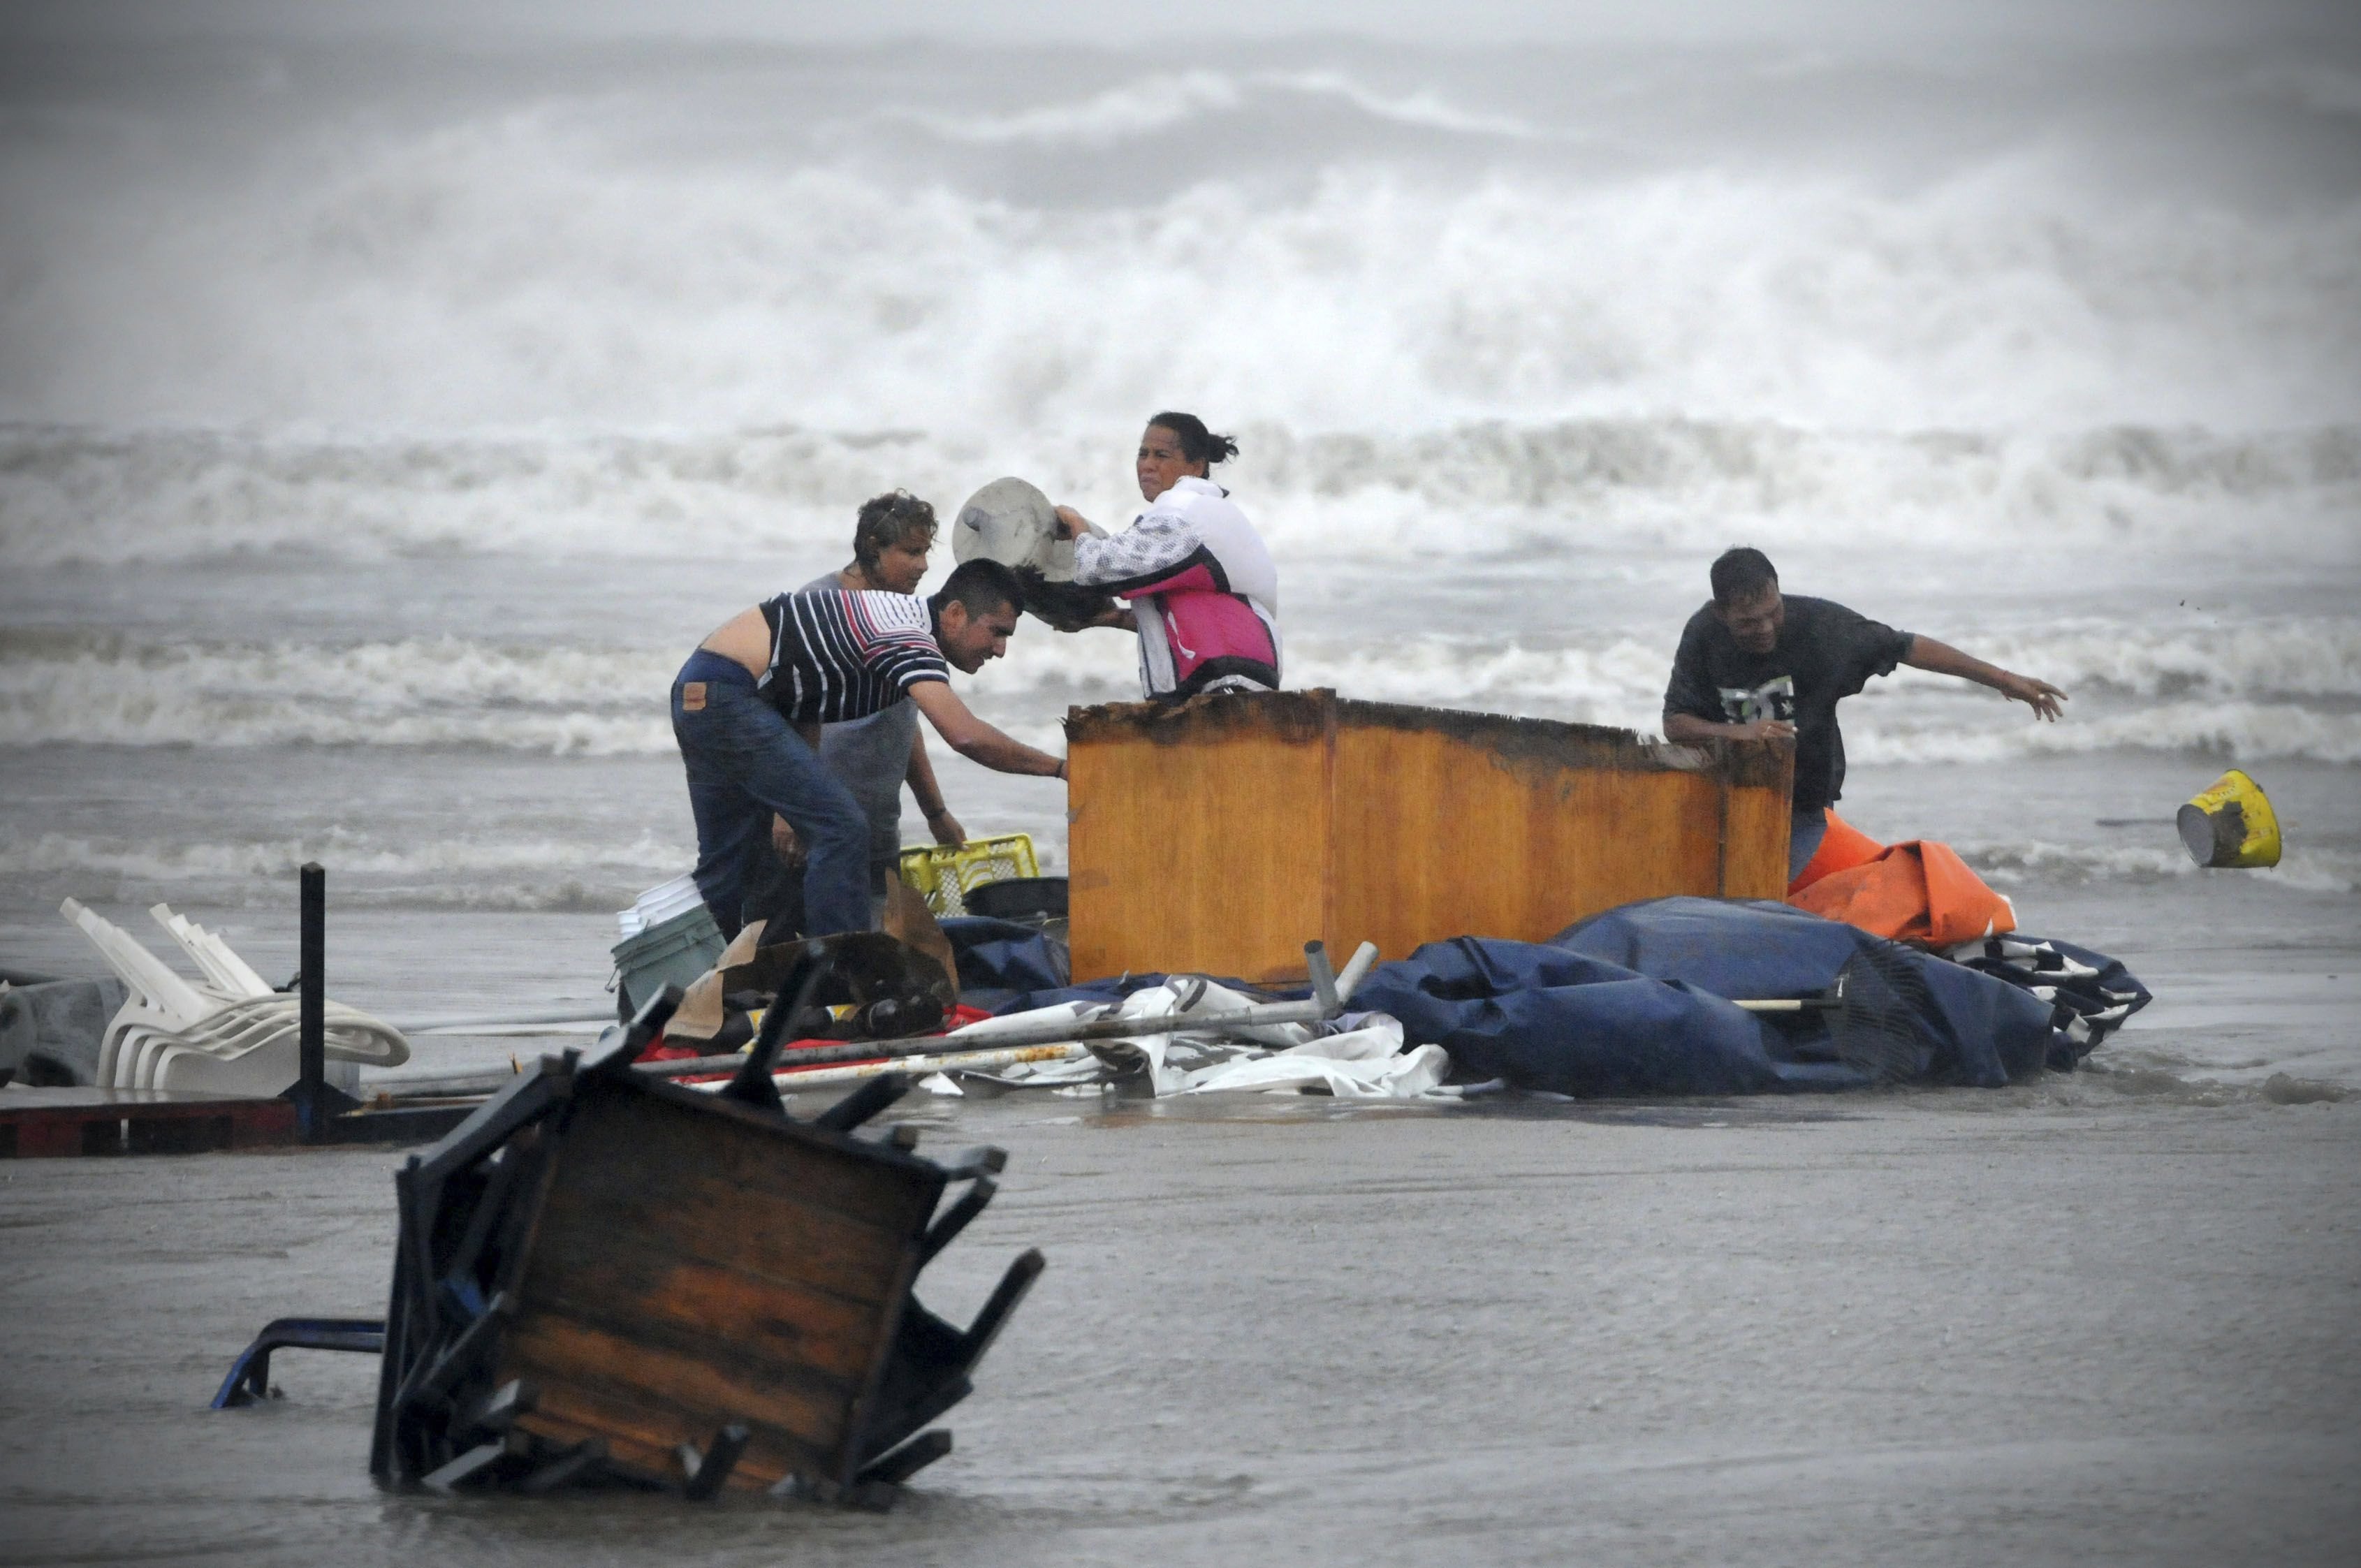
[1826, 652]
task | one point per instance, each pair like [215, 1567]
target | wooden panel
[42, 1122]
[1439, 838]
[1187, 853]
[760, 1197]
[1759, 821]
[552, 1351]
[570, 1416]
[1198, 845]
[692, 1265]
[650, 1399]
[626, 1148]
[634, 1288]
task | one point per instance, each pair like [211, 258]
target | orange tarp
[1918, 891]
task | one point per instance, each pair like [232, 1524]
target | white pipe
[918, 1067]
[575, 1013]
[1112, 1026]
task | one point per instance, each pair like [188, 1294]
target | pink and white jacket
[1203, 590]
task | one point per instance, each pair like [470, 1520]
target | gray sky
[1836, 24]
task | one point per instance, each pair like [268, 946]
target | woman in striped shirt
[748, 706]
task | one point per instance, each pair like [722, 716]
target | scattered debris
[603, 1278]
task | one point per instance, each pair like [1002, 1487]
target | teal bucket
[673, 953]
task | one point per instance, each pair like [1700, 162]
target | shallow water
[2070, 1324]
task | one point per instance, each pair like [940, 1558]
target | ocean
[383, 419]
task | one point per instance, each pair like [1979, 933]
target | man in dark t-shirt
[1755, 665]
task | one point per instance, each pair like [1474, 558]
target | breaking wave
[434, 692]
[1434, 257]
[2236, 731]
[72, 495]
[460, 873]
[2287, 690]
[1148, 105]
[352, 854]
[2317, 872]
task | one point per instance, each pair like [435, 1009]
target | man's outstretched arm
[1926, 654]
[971, 737]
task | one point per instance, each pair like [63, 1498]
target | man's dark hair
[1197, 443]
[1742, 574]
[893, 518]
[982, 586]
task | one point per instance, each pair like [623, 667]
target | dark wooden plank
[52, 1123]
[684, 1398]
[691, 1206]
[564, 1431]
[706, 1222]
[635, 1286]
[624, 1146]
[647, 1438]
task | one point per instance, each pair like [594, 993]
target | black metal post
[315, 1101]
[314, 1063]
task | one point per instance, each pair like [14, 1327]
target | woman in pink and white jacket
[1204, 593]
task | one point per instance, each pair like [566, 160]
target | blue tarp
[1002, 961]
[1988, 1032]
[1631, 1002]
[1544, 1018]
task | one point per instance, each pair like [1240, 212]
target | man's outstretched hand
[2038, 695]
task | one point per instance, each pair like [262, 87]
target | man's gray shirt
[871, 756]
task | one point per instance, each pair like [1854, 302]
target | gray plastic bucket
[673, 953]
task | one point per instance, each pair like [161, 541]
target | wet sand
[2097, 1320]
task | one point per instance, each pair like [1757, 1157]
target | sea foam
[2281, 691]
[85, 496]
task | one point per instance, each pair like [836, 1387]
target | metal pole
[312, 1061]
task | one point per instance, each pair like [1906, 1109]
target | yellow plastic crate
[942, 875]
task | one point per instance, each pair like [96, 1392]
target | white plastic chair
[230, 974]
[257, 1030]
[159, 999]
[230, 1034]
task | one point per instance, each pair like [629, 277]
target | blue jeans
[1805, 831]
[744, 762]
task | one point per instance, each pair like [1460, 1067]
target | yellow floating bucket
[2231, 824]
[942, 875]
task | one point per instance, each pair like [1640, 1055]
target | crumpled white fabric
[1358, 1055]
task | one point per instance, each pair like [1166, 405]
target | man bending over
[748, 706]
[1754, 664]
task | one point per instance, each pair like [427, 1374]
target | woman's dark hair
[1742, 573]
[1197, 443]
[893, 518]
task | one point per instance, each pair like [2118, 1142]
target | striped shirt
[837, 655]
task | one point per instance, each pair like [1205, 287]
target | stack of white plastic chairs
[227, 1033]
